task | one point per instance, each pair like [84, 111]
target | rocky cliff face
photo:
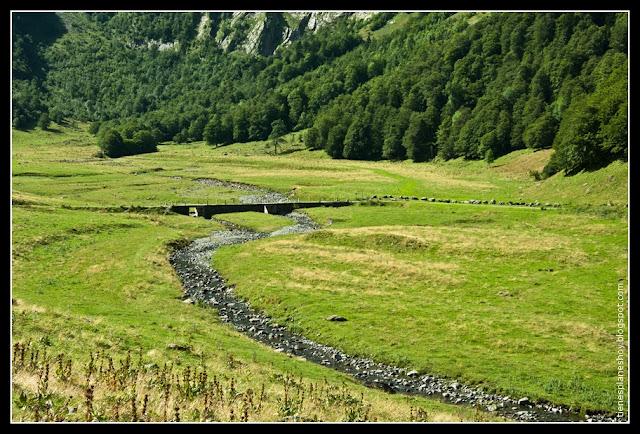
[264, 32]
[252, 32]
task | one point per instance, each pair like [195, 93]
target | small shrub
[535, 175]
[110, 142]
[489, 156]
[114, 145]
[181, 137]
[94, 127]
[44, 121]
[418, 415]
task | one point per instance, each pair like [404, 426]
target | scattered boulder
[413, 373]
[188, 301]
[336, 318]
[523, 401]
[179, 347]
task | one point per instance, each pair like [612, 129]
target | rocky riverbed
[204, 284]
[259, 195]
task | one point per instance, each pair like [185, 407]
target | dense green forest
[389, 86]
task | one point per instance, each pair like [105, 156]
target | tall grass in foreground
[52, 388]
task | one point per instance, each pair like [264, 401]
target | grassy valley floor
[91, 285]
[520, 300]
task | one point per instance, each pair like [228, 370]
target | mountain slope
[371, 86]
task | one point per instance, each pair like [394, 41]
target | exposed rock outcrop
[264, 32]
[260, 33]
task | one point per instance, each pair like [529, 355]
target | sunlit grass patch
[73, 174]
[102, 286]
[511, 298]
[516, 299]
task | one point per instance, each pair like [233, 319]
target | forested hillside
[363, 86]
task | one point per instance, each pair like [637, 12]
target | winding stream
[204, 284]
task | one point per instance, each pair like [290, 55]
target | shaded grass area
[87, 283]
[605, 186]
[517, 300]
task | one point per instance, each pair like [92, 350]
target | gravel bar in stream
[204, 284]
[260, 194]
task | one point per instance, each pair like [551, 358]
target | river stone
[336, 318]
[523, 401]
[178, 347]
[413, 373]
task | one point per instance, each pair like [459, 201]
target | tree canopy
[442, 85]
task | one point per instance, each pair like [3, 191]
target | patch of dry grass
[520, 166]
[468, 240]
[364, 263]
[53, 388]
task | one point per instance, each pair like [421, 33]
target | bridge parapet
[278, 208]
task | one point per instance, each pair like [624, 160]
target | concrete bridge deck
[207, 211]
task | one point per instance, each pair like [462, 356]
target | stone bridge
[207, 211]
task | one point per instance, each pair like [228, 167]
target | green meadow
[61, 167]
[520, 300]
[517, 300]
